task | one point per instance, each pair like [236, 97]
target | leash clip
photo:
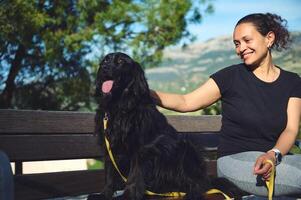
[105, 121]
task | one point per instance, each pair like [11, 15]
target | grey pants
[6, 178]
[238, 168]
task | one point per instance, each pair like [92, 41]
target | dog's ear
[137, 89]
[140, 84]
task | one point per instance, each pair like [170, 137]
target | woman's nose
[242, 47]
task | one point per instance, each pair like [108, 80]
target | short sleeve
[296, 90]
[224, 78]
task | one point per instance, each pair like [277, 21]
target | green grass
[95, 164]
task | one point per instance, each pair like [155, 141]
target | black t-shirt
[254, 112]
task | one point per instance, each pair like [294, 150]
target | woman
[261, 109]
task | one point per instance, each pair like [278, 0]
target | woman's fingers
[264, 169]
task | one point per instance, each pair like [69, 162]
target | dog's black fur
[148, 150]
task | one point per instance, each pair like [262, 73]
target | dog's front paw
[134, 192]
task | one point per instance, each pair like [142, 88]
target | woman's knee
[238, 168]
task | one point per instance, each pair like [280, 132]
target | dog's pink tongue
[107, 86]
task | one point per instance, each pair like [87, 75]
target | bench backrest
[27, 135]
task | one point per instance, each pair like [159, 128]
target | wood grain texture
[50, 147]
[204, 123]
[28, 121]
[37, 122]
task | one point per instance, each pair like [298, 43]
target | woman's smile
[246, 55]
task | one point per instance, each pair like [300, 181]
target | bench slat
[31, 121]
[28, 121]
[204, 123]
[58, 184]
[209, 140]
[50, 147]
[73, 146]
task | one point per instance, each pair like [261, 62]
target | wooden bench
[27, 135]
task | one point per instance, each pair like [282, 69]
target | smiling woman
[261, 109]
[254, 41]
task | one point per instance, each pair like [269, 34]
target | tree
[45, 45]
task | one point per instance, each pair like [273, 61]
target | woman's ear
[270, 39]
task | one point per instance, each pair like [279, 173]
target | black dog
[147, 150]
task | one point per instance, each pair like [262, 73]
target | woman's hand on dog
[262, 167]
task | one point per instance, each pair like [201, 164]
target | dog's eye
[106, 60]
[119, 61]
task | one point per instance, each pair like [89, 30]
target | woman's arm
[205, 95]
[286, 139]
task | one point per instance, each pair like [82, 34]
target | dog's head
[120, 78]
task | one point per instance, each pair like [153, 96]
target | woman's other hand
[262, 167]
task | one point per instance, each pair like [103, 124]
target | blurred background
[50, 50]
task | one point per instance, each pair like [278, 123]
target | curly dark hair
[267, 22]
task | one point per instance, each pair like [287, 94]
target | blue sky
[228, 12]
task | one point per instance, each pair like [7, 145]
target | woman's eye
[248, 40]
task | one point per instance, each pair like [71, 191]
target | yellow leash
[270, 183]
[168, 194]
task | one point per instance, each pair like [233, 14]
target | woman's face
[250, 45]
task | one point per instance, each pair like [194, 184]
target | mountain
[183, 70]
